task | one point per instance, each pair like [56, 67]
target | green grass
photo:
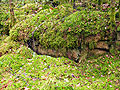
[47, 73]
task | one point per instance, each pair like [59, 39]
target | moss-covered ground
[24, 69]
[61, 27]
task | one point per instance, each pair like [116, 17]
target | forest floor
[22, 69]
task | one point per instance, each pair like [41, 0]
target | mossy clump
[60, 27]
[31, 8]
[66, 32]
[2, 38]
[8, 46]
[29, 25]
[20, 14]
[25, 52]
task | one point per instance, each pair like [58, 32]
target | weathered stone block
[102, 44]
[42, 51]
[97, 52]
[75, 54]
[94, 38]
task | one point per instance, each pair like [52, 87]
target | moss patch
[56, 28]
[8, 46]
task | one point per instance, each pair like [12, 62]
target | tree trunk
[11, 6]
[119, 9]
[112, 16]
[74, 4]
[112, 28]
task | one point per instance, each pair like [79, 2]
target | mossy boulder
[62, 32]
[57, 21]
[29, 25]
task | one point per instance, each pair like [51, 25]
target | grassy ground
[22, 69]
[25, 70]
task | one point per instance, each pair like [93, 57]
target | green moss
[14, 32]
[12, 62]
[118, 28]
[58, 28]
[72, 26]
[112, 18]
[8, 46]
[92, 45]
[2, 38]
[4, 26]
[24, 51]
[118, 43]
[29, 25]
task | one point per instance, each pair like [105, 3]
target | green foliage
[92, 45]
